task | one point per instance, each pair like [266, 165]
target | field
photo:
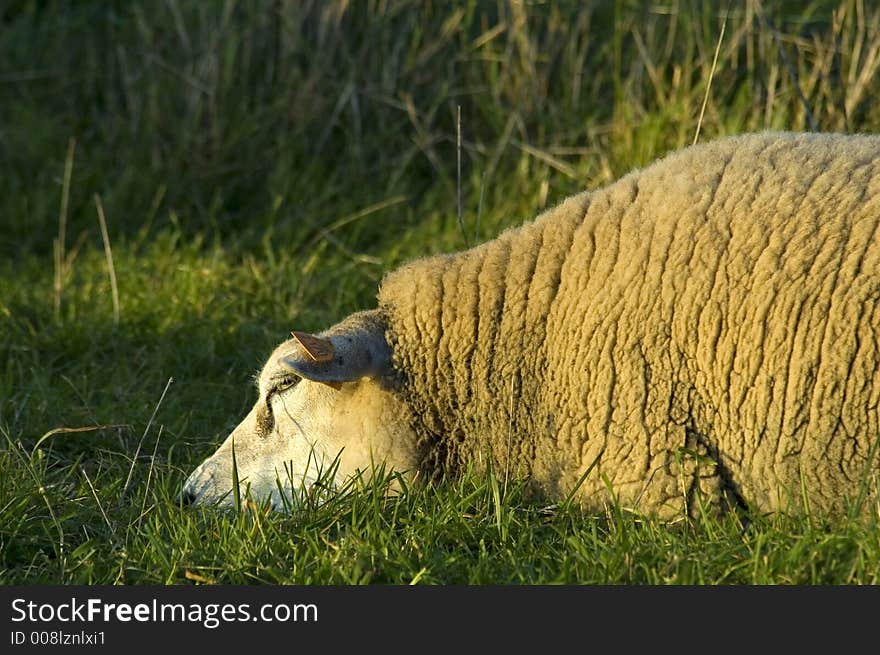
[184, 183]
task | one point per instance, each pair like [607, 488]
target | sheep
[701, 334]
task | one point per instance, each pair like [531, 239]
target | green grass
[260, 166]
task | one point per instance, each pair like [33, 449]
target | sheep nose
[185, 498]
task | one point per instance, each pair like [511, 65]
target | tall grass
[259, 166]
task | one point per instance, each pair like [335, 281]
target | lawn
[183, 183]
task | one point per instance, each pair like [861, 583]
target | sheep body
[707, 324]
[701, 333]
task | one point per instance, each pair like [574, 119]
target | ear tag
[320, 350]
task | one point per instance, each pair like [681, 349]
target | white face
[296, 430]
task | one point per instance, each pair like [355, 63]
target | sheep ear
[319, 350]
[351, 350]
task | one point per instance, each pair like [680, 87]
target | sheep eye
[281, 384]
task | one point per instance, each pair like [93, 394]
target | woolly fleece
[703, 330]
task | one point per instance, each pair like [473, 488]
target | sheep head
[325, 412]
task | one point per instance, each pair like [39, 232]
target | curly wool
[703, 330]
